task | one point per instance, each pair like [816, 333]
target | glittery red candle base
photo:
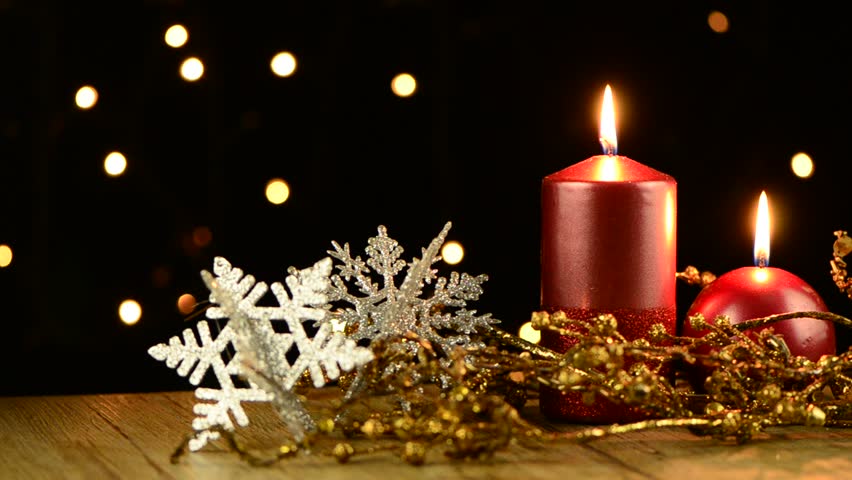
[633, 324]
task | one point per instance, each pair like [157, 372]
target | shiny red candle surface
[753, 292]
[607, 246]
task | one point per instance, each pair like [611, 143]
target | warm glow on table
[133, 435]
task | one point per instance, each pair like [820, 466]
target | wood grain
[133, 436]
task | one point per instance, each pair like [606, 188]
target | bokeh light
[277, 191]
[404, 85]
[452, 252]
[176, 36]
[5, 256]
[130, 312]
[115, 164]
[191, 69]
[718, 22]
[802, 165]
[186, 303]
[283, 64]
[528, 333]
[161, 276]
[86, 97]
[202, 236]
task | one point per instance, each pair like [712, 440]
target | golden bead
[373, 428]
[326, 425]
[770, 393]
[342, 452]
[723, 321]
[414, 453]
[697, 322]
[815, 416]
[403, 425]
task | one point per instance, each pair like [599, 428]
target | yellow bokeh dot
[130, 312]
[802, 165]
[5, 256]
[403, 85]
[115, 164]
[86, 97]
[718, 21]
[283, 64]
[176, 36]
[528, 333]
[277, 191]
[191, 69]
[452, 252]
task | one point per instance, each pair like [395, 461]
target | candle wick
[610, 148]
[762, 261]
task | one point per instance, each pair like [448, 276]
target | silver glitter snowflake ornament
[188, 356]
[380, 309]
[261, 357]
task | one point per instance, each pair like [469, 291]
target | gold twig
[842, 247]
[768, 320]
[692, 276]
[599, 432]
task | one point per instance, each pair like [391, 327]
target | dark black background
[508, 92]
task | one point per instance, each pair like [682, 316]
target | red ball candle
[754, 292]
[607, 246]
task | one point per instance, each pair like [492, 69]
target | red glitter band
[633, 324]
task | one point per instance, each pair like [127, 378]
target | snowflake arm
[263, 351]
[353, 268]
[391, 312]
[208, 356]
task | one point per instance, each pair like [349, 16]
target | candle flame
[761, 236]
[608, 140]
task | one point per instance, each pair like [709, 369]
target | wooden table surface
[133, 436]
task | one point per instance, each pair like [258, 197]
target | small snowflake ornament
[261, 352]
[379, 310]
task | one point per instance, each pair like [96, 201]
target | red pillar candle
[607, 246]
[753, 292]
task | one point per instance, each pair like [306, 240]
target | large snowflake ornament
[382, 309]
[187, 357]
[261, 353]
